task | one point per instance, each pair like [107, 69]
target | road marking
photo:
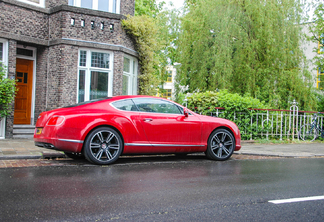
[293, 200]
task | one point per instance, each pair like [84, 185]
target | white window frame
[77, 3]
[88, 69]
[4, 62]
[132, 76]
[40, 4]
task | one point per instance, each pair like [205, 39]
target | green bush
[206, 102]
[7, 93]
[236, 108]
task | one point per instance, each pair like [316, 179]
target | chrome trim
[145, 144]
[137, 144]
[72, 141]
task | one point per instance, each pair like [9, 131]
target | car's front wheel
[103, 146]
[221, 144]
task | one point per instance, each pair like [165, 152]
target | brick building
[63, 52]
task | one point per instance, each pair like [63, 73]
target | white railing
[270, 123]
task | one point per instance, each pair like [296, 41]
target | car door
[166, 126]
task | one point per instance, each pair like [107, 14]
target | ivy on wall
[144, 31]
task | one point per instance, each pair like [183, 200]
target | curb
[42, 155]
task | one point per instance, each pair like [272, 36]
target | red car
[104, 129]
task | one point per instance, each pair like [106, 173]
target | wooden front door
[24, 77]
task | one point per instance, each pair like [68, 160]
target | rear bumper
[60, 144]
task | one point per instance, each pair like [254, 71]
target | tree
[148, 7]
[245, 46]
[144, 30]
[316, 28]
[7, 93]
[155, 32]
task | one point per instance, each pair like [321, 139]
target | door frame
[32, 58]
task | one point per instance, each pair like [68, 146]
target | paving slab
[25, 149]
[284, 150]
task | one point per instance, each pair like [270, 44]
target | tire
[103, 146]
[220, 146]
[75, 156]
[307, 132]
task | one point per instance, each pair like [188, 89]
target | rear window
[127, 105]
[87, 102]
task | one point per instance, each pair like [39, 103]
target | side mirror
[186, 112]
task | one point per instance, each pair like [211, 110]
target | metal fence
[271, 123]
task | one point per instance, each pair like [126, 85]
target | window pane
[86, 4]
[125, 85]
[134, 85]
[157, 106]
[1, 51]
[99, 85]
[100, 60]
[134, 67]
[127, 105]
[70, 2]
[81, 85]
[126, 65]
[114, 6]
[103, 5]
[24, 52]
[83, 58]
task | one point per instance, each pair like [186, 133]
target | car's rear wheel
[220, 145]
[103, 146]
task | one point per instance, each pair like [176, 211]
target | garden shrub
[235, 108]
[7, 93]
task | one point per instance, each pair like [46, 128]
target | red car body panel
[142, 132]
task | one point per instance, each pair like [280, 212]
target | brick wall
[118, 73]
[127, 7]
[11, 74]
[60, 27]
[41, 80]
[49, 30]
[22, 22]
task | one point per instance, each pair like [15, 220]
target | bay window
[102, 5]
[94, 74]
[130, 76]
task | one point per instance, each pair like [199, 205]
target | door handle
[147, 120]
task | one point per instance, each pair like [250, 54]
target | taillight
[56, 120]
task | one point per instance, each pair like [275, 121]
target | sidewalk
[25, 149]
[284, 150]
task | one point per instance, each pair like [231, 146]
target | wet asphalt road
[170, 190]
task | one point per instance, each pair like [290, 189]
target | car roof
[112, 99]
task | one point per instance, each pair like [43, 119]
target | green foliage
[245, 46]
[236, 108]
[206, 102]
[320, 102]
[7, 93]
[144, 30]
[155, 33]
[316, 28]
[147, 7]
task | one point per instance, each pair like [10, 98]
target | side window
[156, 106]
[126, 105]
